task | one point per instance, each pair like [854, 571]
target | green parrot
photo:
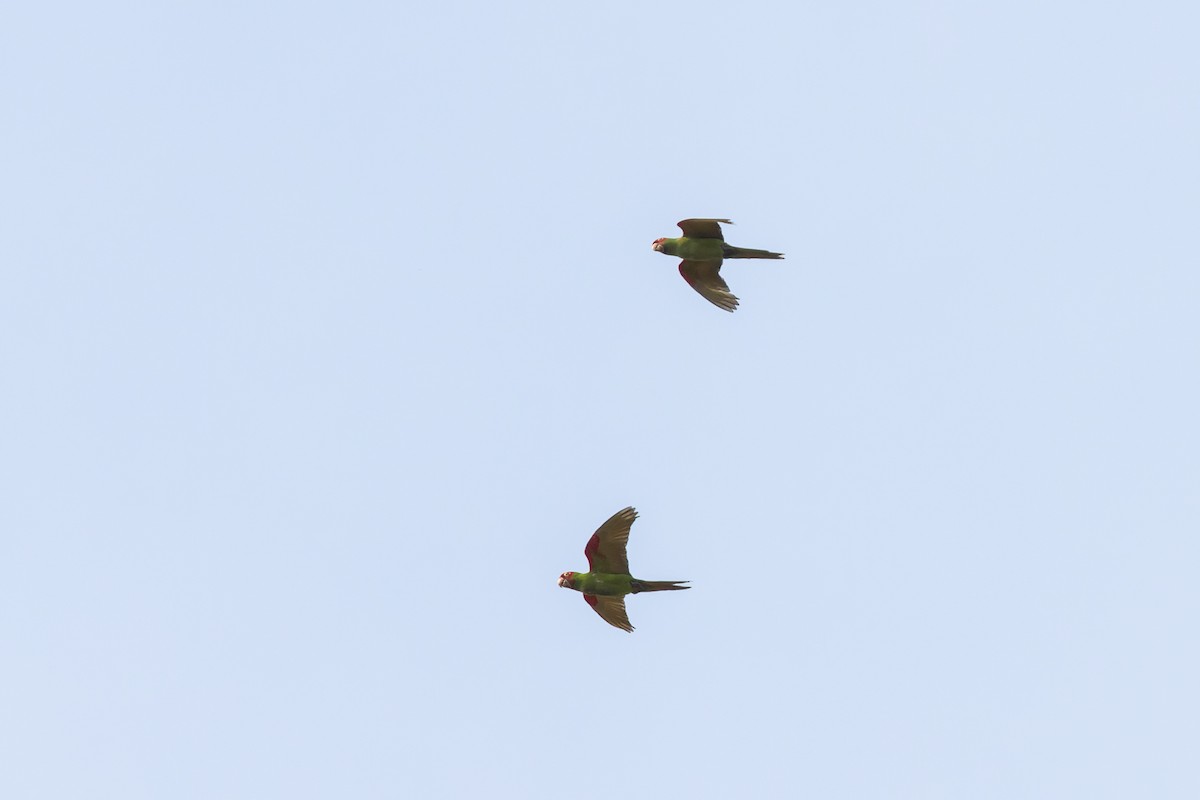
[702, 248]
[605, 586]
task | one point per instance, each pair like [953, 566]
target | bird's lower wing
[610, 609]
[705, 278]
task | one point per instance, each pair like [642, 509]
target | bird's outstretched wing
[610, 609]
[703, 228]
[605, 551]
[705, 278]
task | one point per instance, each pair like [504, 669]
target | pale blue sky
[330, 332]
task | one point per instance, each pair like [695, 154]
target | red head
[567, 580]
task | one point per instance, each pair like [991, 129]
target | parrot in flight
[702, 248]
[604, 587]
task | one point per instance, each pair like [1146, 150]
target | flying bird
[608, 580]
[702, 248]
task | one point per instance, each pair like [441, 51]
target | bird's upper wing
[703, 228]
[610, 609]
[705, 278]
[605, 551]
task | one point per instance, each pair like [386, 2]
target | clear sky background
[329, 332]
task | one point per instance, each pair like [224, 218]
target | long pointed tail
[747, 252]
[656, 586]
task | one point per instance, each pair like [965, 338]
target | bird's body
[702, 248]
[693, 249]
[602, 583]
[608, 580]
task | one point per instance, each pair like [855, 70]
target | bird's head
[657, 245]
[567, 580]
